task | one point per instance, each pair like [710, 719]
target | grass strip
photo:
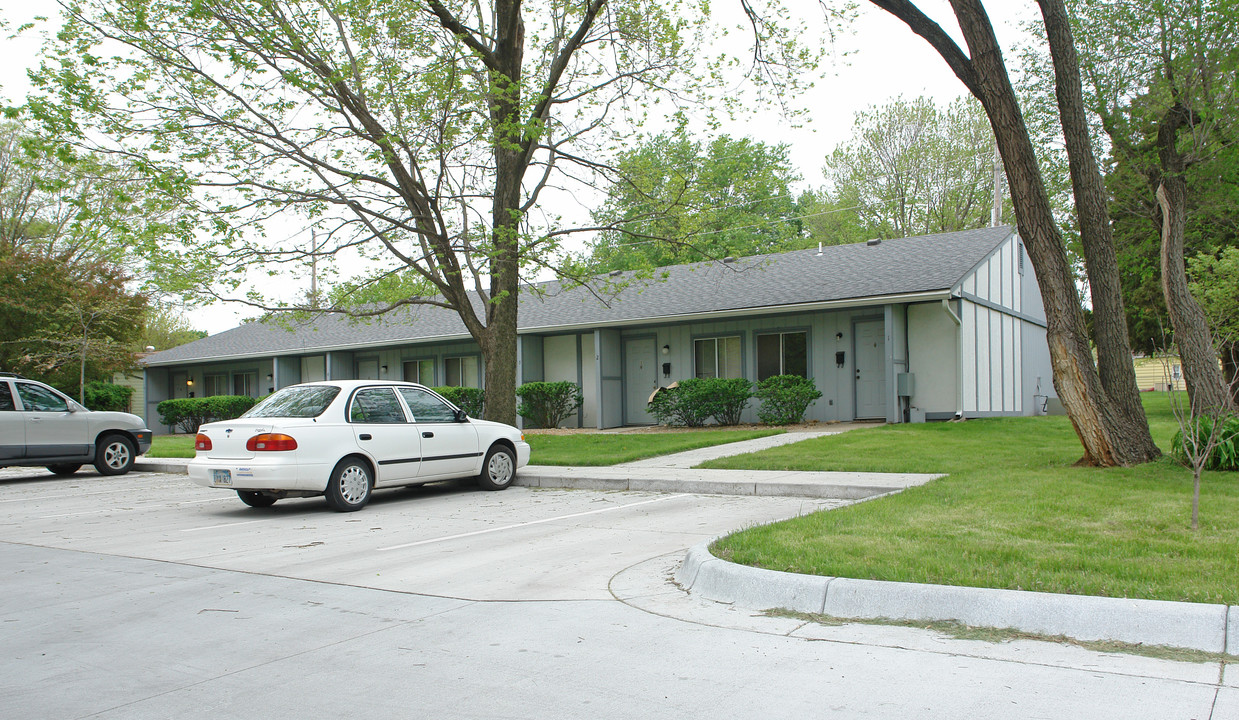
[596, 449]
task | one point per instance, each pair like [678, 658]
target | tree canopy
[417, 135]
[912, 168]
[682, 200]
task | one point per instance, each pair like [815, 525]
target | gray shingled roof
[926, 263]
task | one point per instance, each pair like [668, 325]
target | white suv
[41, 426]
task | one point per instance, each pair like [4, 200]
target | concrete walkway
[675, 473]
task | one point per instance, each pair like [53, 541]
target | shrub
[728, 398]
[784, 398]
[107, 396]
[471, 400]
[1225, 456]
[547, 404]
[691, 402]
[190, 413]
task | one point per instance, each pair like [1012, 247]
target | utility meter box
[905, 384]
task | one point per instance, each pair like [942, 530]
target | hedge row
[784, 400]
[108, 396]
[190, 413]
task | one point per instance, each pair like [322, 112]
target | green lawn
[171, 446]
[578, 449]
[1013, 513]
[613, 448]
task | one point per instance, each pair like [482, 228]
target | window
[420, 371]
[426, 407]
[717, 357]
[215, 385]
[782, 354]
[376, 405]
[245, 384]
[461, 371]
[295, 402]
[6, 397]
[37, 399]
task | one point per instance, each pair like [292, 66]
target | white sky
[887, 61]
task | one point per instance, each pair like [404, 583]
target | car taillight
[202, 442]
[269, 442]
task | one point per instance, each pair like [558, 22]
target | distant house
[910, 329]
[1159, 373]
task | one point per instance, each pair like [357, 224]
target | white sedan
[344, 438]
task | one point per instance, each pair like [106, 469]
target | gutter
[959, 360]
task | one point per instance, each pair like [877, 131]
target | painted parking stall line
[531, 522]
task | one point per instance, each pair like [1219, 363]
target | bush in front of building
[471, 400]
[547, 404]
[107, 396]
[785, 398]
[693, 401]
[189, 414]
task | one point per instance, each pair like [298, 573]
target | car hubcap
[116, 455]
[354, 485]
[500, 468]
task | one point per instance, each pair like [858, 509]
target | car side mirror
[461, 416]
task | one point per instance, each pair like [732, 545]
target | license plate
[221, 477]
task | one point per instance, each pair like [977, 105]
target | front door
[640, 379]
[870, 354]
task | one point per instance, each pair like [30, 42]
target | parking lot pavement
[447, 539]
[144, 596]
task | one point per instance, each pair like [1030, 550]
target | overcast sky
[887, 61]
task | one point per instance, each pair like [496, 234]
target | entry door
[870, 354]
[640, 379]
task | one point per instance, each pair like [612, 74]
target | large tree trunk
[510, 163]
[1206, 389]
[1114, 358]
[1099, 426]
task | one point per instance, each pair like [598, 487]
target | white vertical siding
[968, 317]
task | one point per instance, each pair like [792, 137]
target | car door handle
[364, 436]
[428, 434]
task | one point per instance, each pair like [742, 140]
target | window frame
[781, 333]
[417, 362]
[461, 370]
[716, 337]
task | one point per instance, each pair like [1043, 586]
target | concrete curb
[1196, 626]
[158, 465]
[829, 485]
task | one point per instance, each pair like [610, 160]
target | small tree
[1202, 430]
[547, 404]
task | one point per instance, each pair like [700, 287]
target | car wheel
[498, 469]
[63, 470]
[114, 455]
[255, 499]
[350, 485]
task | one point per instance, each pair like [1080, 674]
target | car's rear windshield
[295, 402]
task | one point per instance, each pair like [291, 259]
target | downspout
[959, 360]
